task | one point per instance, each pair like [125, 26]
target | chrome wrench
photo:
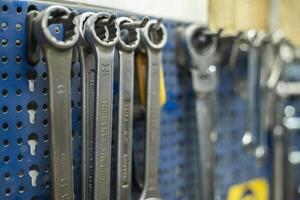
[58, 61]
[202, 48]
[128, 41]
[87, 64]
[101, 33]
[153, 38]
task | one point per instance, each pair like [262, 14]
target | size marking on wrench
[202, 48]
[154, 38]
[128, 41]
[101, 33]
[58, 60]
[87, 62]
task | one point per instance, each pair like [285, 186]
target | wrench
[128, 41]
[153, 38]
[202, 49]
[58, 60]
[101, 33]
[87, 63]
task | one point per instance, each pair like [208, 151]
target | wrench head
[129, 38]
[57, 15]
[82, 19]
[103, 29]
[155, 38]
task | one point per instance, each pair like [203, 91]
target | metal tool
[101, 33]
[58, 60]
[154, 38]
[88, 70]
[202, 49]
[128, 41]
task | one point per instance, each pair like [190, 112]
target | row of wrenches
[95, 36]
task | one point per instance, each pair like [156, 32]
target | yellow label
[256, 189]
[141, 62]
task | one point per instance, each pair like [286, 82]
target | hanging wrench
[154, 38]
[87, 63]
[101, 33]
[202, 47]
[128, 41]
[58, 60]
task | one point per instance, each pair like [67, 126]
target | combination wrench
[128, 41]
[58, 61]
[202, 47]
[87, 65]
[102, 33]
[153, 39]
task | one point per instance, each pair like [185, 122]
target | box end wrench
[101, 33]
[153, 38]
[87, 64]
[128, 41]
[202, 49]
[58, 60]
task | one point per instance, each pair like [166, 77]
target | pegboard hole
[18, 27]
[44, 75]
[6, 159]
[46, 153]
[46, 138]
[20, 157]
[4, 93]
[7, 192]
[33, 173]
[7, 176]
[18, 59]
[19, 9]
[45, 107]
[4, 59]
[19, 125]
[31, 7]
[4, 109]
[21, 173]
[5, 143]
[45, 122]
[44, 60]
[18, 75]
[4, 8]
[18, 92]
[4, 42]
[18, 43]
[4, 76]
[21, 189]
[32, 142]
[4, 26]
[5, 126]
[45, 91]
[18, 108]
[19, 141]
[32, 109]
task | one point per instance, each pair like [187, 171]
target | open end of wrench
[58, 15]
[155, 34]
[129, 37]
[104, 28]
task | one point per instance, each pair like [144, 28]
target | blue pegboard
[178, 151]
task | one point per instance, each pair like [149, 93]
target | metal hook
[157, 25]
[109, 21]
[133, 25]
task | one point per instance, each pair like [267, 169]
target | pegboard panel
[178, 169]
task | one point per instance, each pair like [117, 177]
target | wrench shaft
[88, 112]
[59, 71]
[204, 109]
[103, 119]
[125, 125]
[151, 188]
